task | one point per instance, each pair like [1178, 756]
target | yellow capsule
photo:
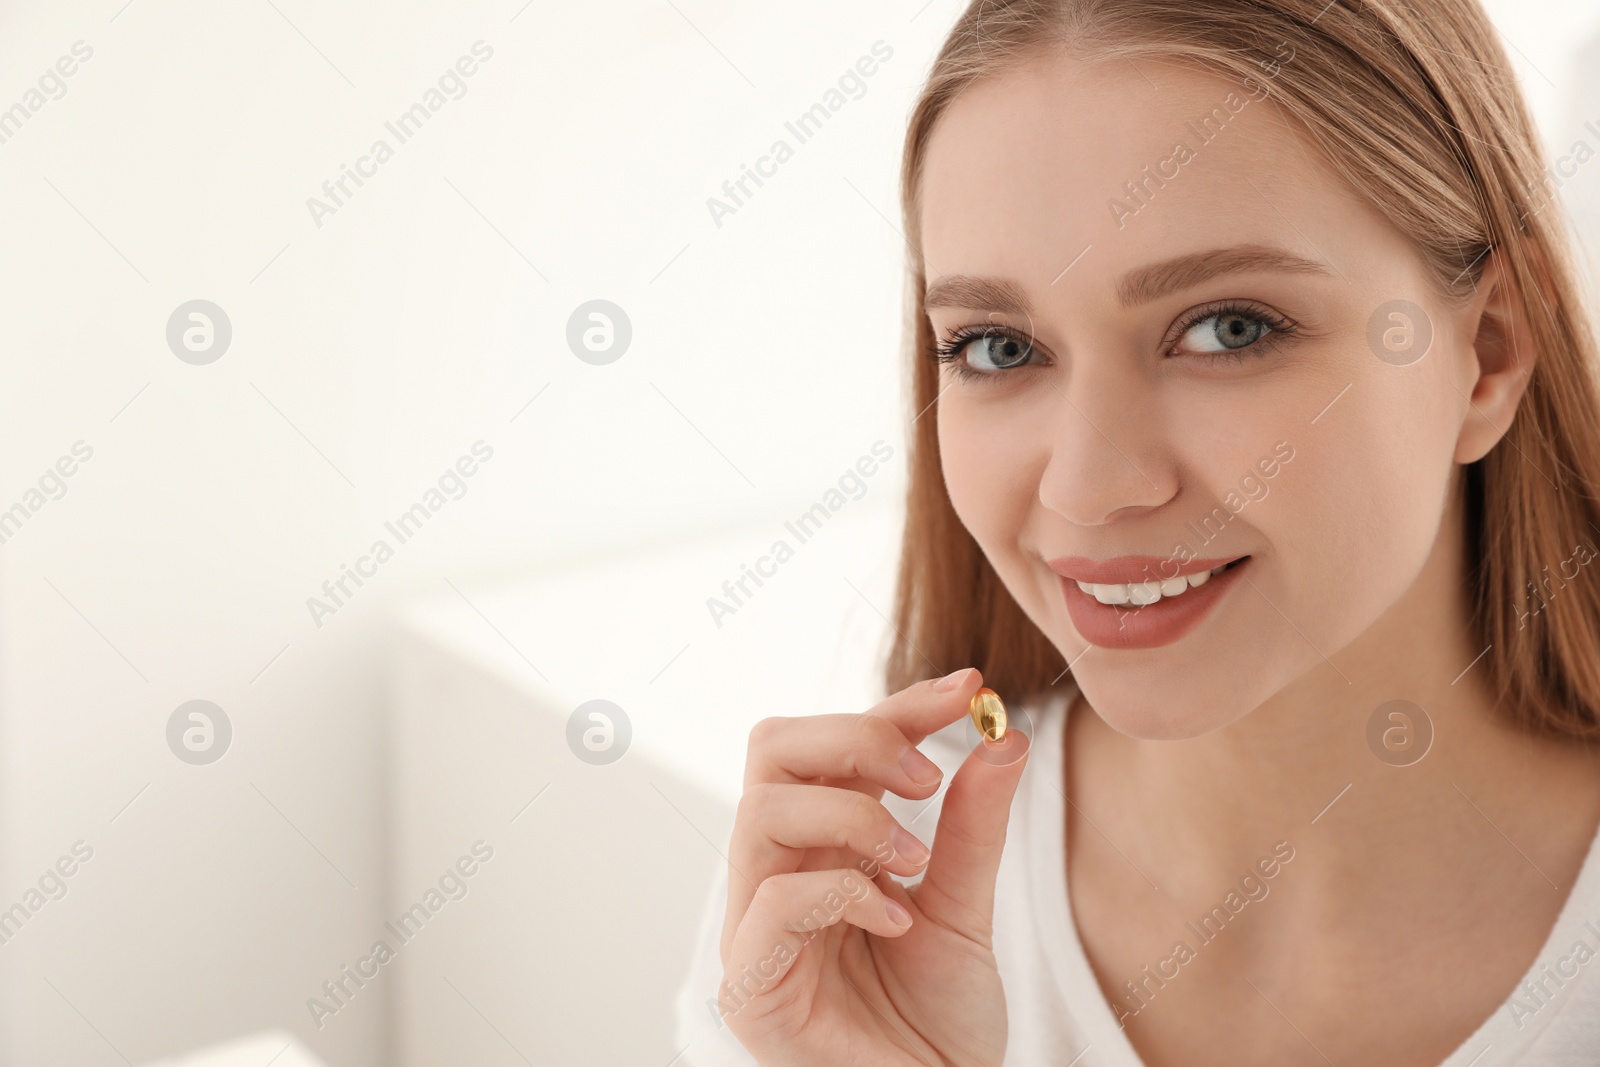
[988, 714]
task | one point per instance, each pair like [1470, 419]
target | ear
[1501, 358]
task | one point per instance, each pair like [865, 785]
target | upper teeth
[1143, 594]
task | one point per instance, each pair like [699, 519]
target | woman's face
[1178, 341]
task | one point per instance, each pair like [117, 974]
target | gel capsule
[988, 714]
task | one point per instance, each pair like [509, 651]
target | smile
[1142, 614]
[1143, 594]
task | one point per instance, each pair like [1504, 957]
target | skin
[1186, 763]
[1420, 895]
[865, 992]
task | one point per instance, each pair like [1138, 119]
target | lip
[1123, 626]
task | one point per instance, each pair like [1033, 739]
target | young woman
[1254, 463]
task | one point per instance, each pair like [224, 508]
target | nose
[1109, 459]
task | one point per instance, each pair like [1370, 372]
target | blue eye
[1231, 332]
[1225, 332]
[977, 351]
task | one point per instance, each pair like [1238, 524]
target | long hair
[1414, 104]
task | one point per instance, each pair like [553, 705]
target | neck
[1308, 766]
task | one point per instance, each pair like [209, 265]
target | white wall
[367, 355]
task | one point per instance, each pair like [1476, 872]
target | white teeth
[1143, 594]
[1106, 594]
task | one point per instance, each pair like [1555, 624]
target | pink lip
[1119, 570]
[1125, 626]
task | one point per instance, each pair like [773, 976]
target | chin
[1149, 718]
[1199, 683]
[1130, 705]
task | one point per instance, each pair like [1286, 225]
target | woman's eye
[994, 352]
[1224, 331]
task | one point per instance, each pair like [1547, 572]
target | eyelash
[1279, 329]
[950, 349]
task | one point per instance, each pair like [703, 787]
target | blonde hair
[1414, 104]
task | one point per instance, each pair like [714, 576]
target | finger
[930, 705]
[858, 746]
[776, 824]
[957, 890]
[786, 914]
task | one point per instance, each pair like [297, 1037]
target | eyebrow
[1137, 287]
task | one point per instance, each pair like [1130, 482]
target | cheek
[1358, 509]
[988, 472]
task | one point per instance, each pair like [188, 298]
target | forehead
[1131, 160]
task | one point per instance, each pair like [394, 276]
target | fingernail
[897, 915]
[950, 681]
[919, 768]
[907, 846]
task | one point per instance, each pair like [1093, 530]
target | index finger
[837, 749]
[930, 705]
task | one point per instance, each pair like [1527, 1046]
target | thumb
[957, 889]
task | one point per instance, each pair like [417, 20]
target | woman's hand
[828, 962]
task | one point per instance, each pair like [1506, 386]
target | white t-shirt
[1056, 1010]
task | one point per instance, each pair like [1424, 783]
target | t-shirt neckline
[1080, 988]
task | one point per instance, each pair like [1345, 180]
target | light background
[368, 353]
